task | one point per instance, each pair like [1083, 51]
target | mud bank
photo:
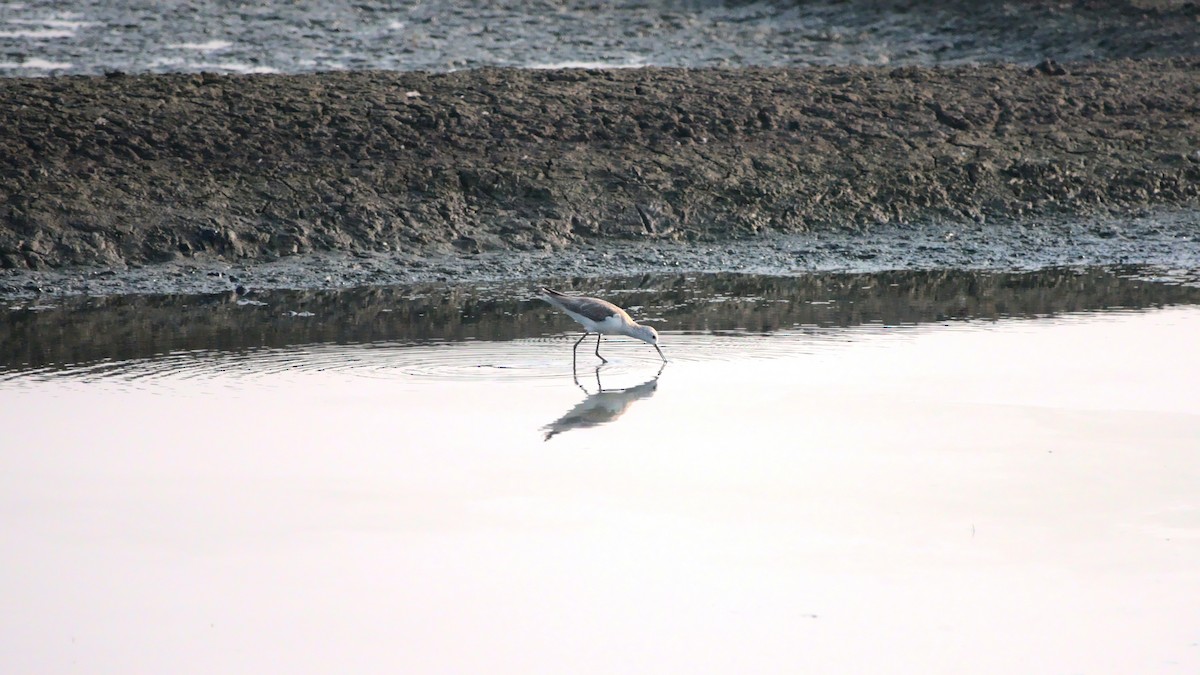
[154, 168]
[1165, 245]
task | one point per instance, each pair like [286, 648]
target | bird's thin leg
[598, 337]
[599, 387]
[575, 349]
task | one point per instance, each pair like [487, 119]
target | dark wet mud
[79, 331]
[473, 174]
[1166, 241]
[134, 170]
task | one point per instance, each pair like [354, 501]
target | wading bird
[602, 318]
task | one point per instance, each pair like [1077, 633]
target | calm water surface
[948, 472]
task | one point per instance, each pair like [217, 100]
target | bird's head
[648, 334]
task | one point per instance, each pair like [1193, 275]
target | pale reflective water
[833, 474]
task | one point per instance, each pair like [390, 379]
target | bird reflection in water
[602, 406]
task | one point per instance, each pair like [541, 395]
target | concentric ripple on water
[541, 358]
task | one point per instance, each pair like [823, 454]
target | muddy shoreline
[221, 171]
[1166, 244]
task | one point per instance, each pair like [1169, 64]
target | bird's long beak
[660, 354]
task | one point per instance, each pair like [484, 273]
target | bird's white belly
[609, 326]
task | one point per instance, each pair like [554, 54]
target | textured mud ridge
[152, 168]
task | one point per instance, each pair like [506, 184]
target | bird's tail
[553, 297]
[550, 296]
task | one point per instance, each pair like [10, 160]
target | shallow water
[907, 472]
[39, 37]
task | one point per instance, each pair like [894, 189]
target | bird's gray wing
[592, 308]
